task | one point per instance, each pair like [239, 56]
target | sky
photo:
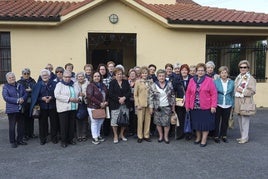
[247, 5]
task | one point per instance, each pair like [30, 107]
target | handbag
[36, 111]
[82, 111]
[180, 102]
[98, 113]
[174, 120]
[247, 109]
[122, 119]
[231, 120]
[187, 123]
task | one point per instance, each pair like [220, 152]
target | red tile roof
[183, 12]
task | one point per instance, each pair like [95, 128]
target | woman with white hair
[210, 65]
[67, 98]
[15, 96]
[43, 95]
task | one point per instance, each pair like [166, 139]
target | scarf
[197, 96]
[67, 83]
[242, 81]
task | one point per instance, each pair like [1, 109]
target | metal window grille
[5, 55]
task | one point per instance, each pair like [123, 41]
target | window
[5, 55]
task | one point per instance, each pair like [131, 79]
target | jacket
[154, 96]
[229, 96]
[94, 95]
[27, 83]
[207, 94]
[62, 95]
[40, 90]
[248, 93]
[179, 87]
[11, 95]
[141, 92]
[115, 91]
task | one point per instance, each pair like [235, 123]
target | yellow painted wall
[34, 47]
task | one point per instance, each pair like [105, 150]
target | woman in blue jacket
[225, 88]
[15, 96]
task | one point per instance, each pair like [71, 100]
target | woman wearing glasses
[201, 101]
[245, 88]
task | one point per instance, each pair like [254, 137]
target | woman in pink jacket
[201, 101]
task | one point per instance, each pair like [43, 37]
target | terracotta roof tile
[183, 12]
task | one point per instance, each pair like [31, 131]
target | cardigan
[94, 95]
[229, 96]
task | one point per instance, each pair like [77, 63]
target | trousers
[13, 119]
[243, 122]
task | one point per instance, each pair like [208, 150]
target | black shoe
[55, 141]
[63, 145]
[160, 140]
[42, 142]
[147, 139]
[179, 138]
[188, 137]
[225, 140]
[217, 140]
[72, 142]
[197, 142]
[33, 136]
[139, 140]
[22, 143]
[79, 139]
[26, 138]
[14, 145]
[203, 145]
[166, 141]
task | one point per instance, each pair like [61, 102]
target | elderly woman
[141, 98]
[119, 99]
[201, 101]
[210, 70]
[15, 96]
[176, 68]
[67, 99]
[43, 95]
[82, 124]
[225, 88]
[245, 88]
[151, 75]
[162, 103]
[192, 70]
[59, 74]
[170, 75]
[180, 86]
[28, 83]
[96, 93]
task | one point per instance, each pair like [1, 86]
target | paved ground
[179, 159]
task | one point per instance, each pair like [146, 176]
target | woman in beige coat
[141, 95]
[245, 88]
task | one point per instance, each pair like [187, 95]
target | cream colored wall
[34, 47]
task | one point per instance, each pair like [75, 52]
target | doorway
[118, 47]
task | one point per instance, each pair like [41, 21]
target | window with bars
[5, 55]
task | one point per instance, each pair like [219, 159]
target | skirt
[162, 116]
[202, 120]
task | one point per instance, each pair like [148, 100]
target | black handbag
[122, 119]
[82, 111]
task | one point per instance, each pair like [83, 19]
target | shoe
[203, 145]
[63, 145]
[14, 145]
[197, 142]
[179, 138]
[79, 139]
[160, 140]
[123, 139]
[84, 139]
[42, 142]
[147, 139]
[225, 140]
[26, 138]
[166, 141]
[116, 141]
[33, 136]
[72, 142]
[101, 139]
[95, 141]
[55, 141]
[188, 137]
[217, 140]
[22, 143]
[238, 139]
[243, 141]
[139, 140]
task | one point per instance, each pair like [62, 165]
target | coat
[115, 91]
[94, 95]
[208, 94]
[11, 95]
[248, 93]
[141, 92]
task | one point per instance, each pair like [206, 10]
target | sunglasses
[26, 73]
[243, 67]
[59, 71]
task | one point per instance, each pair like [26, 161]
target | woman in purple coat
[15, 95]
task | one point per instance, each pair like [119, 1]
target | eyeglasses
[59, 71]
[67, 77]
[243, 67]
[26, 73]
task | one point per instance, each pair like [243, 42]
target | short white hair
[80, 73]
[9, 74]
[210, 64]
[45, 71]
[120, 66]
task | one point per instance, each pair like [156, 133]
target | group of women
[145, 95]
